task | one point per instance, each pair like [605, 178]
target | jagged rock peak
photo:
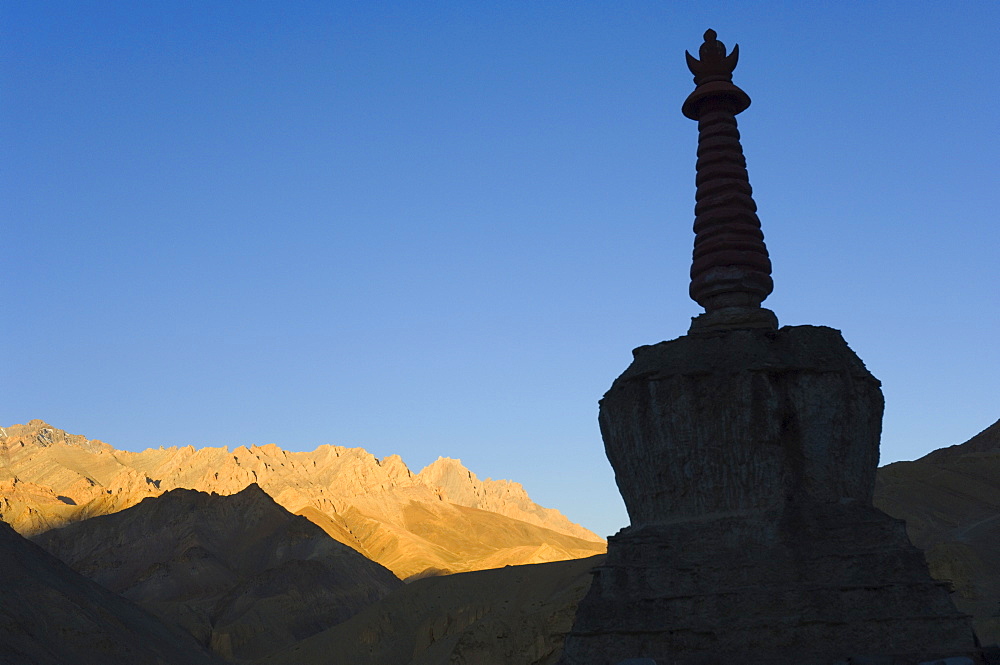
[453, 482]
[40, 433]
[396, 469]
[444, 465]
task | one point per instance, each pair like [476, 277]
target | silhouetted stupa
[746, 456]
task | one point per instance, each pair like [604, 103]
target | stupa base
[816, 585]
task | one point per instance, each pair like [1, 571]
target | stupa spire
[730, 270]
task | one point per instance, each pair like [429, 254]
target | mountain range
[443, 519]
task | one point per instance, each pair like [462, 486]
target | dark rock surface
[950, 500]
[52, 615]
[239, 572]
[747, 463]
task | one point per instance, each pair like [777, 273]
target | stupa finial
[730, 270]
[714, 63]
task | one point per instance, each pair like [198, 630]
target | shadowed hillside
[51, 615]
[516, 615]
[950, 500]
[239, 572]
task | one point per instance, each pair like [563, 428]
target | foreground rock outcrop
[441, 520]
[950, 500]
[52, 615]
[244, 576]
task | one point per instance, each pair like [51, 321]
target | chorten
[746, 456]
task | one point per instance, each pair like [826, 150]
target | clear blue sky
[440, 228]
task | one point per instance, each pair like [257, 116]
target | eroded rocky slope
[244, 576]
[441, 520]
